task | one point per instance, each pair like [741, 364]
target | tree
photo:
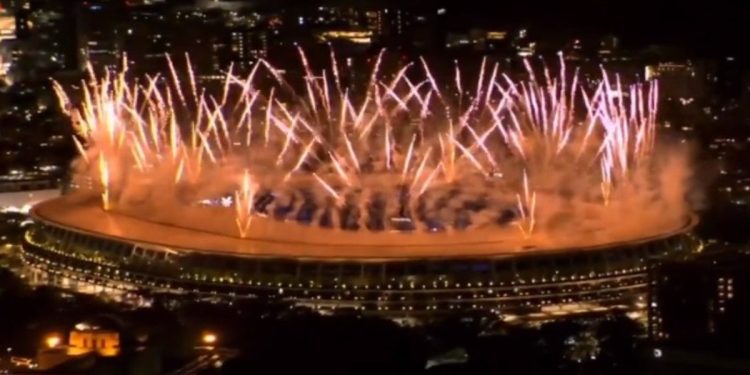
[618, 338]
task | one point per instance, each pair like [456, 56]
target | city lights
[52, 341]
[394, 186]
[209, 338]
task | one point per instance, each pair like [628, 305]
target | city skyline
[424, 187]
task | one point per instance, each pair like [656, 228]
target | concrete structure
[87, 338]
[83, 339]
[76, 244]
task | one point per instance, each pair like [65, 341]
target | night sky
[700, 28]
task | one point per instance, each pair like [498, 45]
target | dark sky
[709, 25]
[712, 27]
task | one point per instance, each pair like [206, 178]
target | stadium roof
[212, 230]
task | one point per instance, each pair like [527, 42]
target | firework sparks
[401, 135]
[526, 208]
[243, 204]
[104, 181]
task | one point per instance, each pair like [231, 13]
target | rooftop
[212, 230]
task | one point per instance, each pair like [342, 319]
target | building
[7, 26]
[347, 42]
[7, 42]
[414, 28]
[390, 25]
[701, 301]
[88, 338]
[83, 340]
[76, 245]
[523, 45]
[47, 39]
[146, 38]
[676, 79]
[683, 94]
[197, 33]
[428, 29]
[247, 47]
[99, 40]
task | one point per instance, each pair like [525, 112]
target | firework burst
[404, 154]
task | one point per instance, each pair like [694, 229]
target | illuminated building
[389, 25]
[681, 86]
[76, 245]
[197, 30]
[479, 40]
[523, 46]
[676, 79]
[7, 42]
[86, 338]
[7, 27]
[700, 301]
[573, 50]
[99, 41]
[420, 29]
[216, 36]
[83, 339]
[352, 36]
[46, 31]
[373, 21]
[496, 35]
[457, 40]
[527, 50]
[332, 16]
[247, 47]
[145, 37]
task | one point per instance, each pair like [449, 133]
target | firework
[401, 156]
[243, 203]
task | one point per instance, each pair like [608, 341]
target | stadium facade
[519, 284]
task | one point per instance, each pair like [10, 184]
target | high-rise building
[389, 24]
[677, 79]
[145, 36]
[47, 36]
[217, 35]
[194, 30]
[701, 301]
[247, 46]
[7, 41]
[7, 26]
[418, 28]
[426, 29]
[99, 41]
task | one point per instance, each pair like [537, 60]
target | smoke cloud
[533, 163]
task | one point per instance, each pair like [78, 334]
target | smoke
[545, 164]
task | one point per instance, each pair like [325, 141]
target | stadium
[530, 198]
[73, 243]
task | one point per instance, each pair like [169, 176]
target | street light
[52, 341]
